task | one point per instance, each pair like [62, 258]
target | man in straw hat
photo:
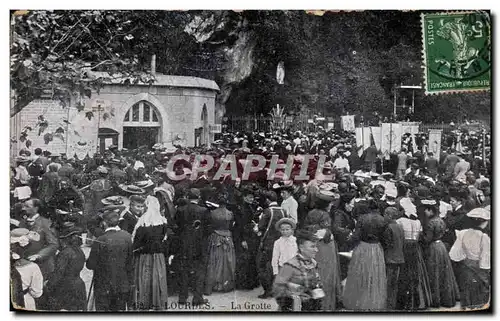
[112, 261]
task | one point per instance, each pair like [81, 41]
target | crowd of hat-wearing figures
[411, 237]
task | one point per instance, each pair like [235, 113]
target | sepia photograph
[271, 161]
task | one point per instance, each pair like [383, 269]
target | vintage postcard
[250, 161]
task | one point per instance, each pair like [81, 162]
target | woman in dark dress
[342, 228]
[246, 242]
[221, 258]
[443, 285]
[65, 288]
[414, 289]
[149, 236]
[366, 284]
[318, 221]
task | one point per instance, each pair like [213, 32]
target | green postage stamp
[456, 51]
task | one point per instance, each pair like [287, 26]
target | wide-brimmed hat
[217, 142]
[144, 184]
[328, 186]
[69, 231]
[17, 233]
[285, 220]
[480, 213]
[306, 234]
[158, 146]
[326, 195]
[131, 189]
[22, 159]
[115, 161]
[115, 200]
[428, 202]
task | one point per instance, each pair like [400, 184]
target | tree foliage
[337, 62]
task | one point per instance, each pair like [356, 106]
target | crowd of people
[405, 232]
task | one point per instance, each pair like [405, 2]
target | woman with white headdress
[149, 236]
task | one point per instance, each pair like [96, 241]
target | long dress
[150, 268]
[66, 289]
[327, 258]
[246, 271]
[443, 285]
[221, 257]
[414, 289]
[472, 252]
[366, 284]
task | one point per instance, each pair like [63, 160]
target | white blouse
[411, 228]
[473, 245]
[285, 248]
[32, 279]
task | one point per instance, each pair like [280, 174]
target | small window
[127, 116]
[147, 111]
[155, 117]
[135, 112]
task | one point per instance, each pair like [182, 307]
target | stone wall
[179, 110]
[53, 112]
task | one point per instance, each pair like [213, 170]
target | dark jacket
[371, 154]
[48, 186]
[46, 247]
[369, 228]
[150, 240]
[128, 222]
[392, 242]
[112, 261]
[343, 225]
[270, 217]
[65, 287]
[191, 220]
[456, 220]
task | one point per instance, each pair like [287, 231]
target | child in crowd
[285, 247]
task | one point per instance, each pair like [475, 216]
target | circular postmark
[461, 46]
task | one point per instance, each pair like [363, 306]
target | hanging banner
[435, 142]
[377, 136]
[412, 129]
[348, 123]
[363, 139]
[391, 138]
[330, 126]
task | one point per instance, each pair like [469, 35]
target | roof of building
[160, 80]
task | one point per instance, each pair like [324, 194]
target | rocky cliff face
[335, 62]
[231, 43]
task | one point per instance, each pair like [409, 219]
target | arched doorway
[141, 126]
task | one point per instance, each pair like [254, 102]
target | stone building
[173, 110]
